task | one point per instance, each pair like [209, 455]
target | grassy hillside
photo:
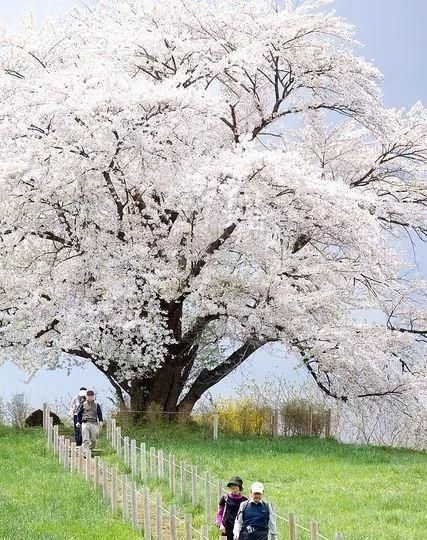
[369, 493]
[39, 500]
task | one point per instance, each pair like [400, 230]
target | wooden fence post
[105, 481]
[96, 476]
[310, 421]
[66, 454]
[55, 440]
[207, 497]
[204, 532]
[80, 454]
[187, 526]
[50, 434]
[314, 527]
[220, 492]
[113, 433]
[114, 490]
[63, 450]
[172, 522]
[159, 517]
[60, 438]
[45, 414]
[172, 474]
[61, 444]
[292, 527]
[129, 498]
[147, 514]
[126, 450]
[143, 465]
[119, 442]
[152, 462]
[182, 479]
[72, 456]
[194, 494]
[134, 506]
[64, 446]
[124, 498]
[160, 468]
[215, 425]
[133, 462]
[88, 460]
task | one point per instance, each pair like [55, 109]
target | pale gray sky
[394, 36]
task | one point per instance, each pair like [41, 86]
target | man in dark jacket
[89, 417]
[255, 520]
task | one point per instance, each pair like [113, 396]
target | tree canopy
[185, 181]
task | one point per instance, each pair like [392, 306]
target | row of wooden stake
[150, 463]
[145, 513]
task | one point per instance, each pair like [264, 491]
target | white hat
[82, 393]
[257, 487]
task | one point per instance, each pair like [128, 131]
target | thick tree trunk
[162, 390]
[165, 388]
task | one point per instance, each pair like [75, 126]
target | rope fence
[146, 462]
[145, 510]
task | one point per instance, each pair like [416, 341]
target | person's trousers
[90, 433]
[77, 432]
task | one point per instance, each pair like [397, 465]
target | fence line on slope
[142, 509]
[149, 462]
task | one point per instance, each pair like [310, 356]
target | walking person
[90, 418]
[255, 519]
[74, 409]
[229, 506]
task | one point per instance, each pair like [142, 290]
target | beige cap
[257, 487]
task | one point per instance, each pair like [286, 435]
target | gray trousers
[90, 432]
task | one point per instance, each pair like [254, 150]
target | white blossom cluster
[172, 170]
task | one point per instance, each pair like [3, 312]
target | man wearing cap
[229, 506]
[89, 417]
[74, 409]
[255, 520]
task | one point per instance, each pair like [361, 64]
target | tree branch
[208, 378]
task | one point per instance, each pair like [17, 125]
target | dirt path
[108, 480]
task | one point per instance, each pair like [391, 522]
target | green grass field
[369, 493]
[39, 500]
[366, 492]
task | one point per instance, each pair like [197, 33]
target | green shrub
[295, 417]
